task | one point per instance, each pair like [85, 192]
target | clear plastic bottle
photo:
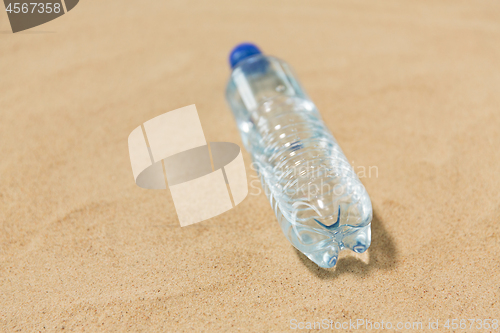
[321, 205]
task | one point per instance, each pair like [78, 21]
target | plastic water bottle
[321, 205]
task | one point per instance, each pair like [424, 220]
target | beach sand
[410, 90]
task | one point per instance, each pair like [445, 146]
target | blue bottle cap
[242, 51]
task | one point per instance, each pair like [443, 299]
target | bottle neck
[260, 78]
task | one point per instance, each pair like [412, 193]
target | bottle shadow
[382, 255]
